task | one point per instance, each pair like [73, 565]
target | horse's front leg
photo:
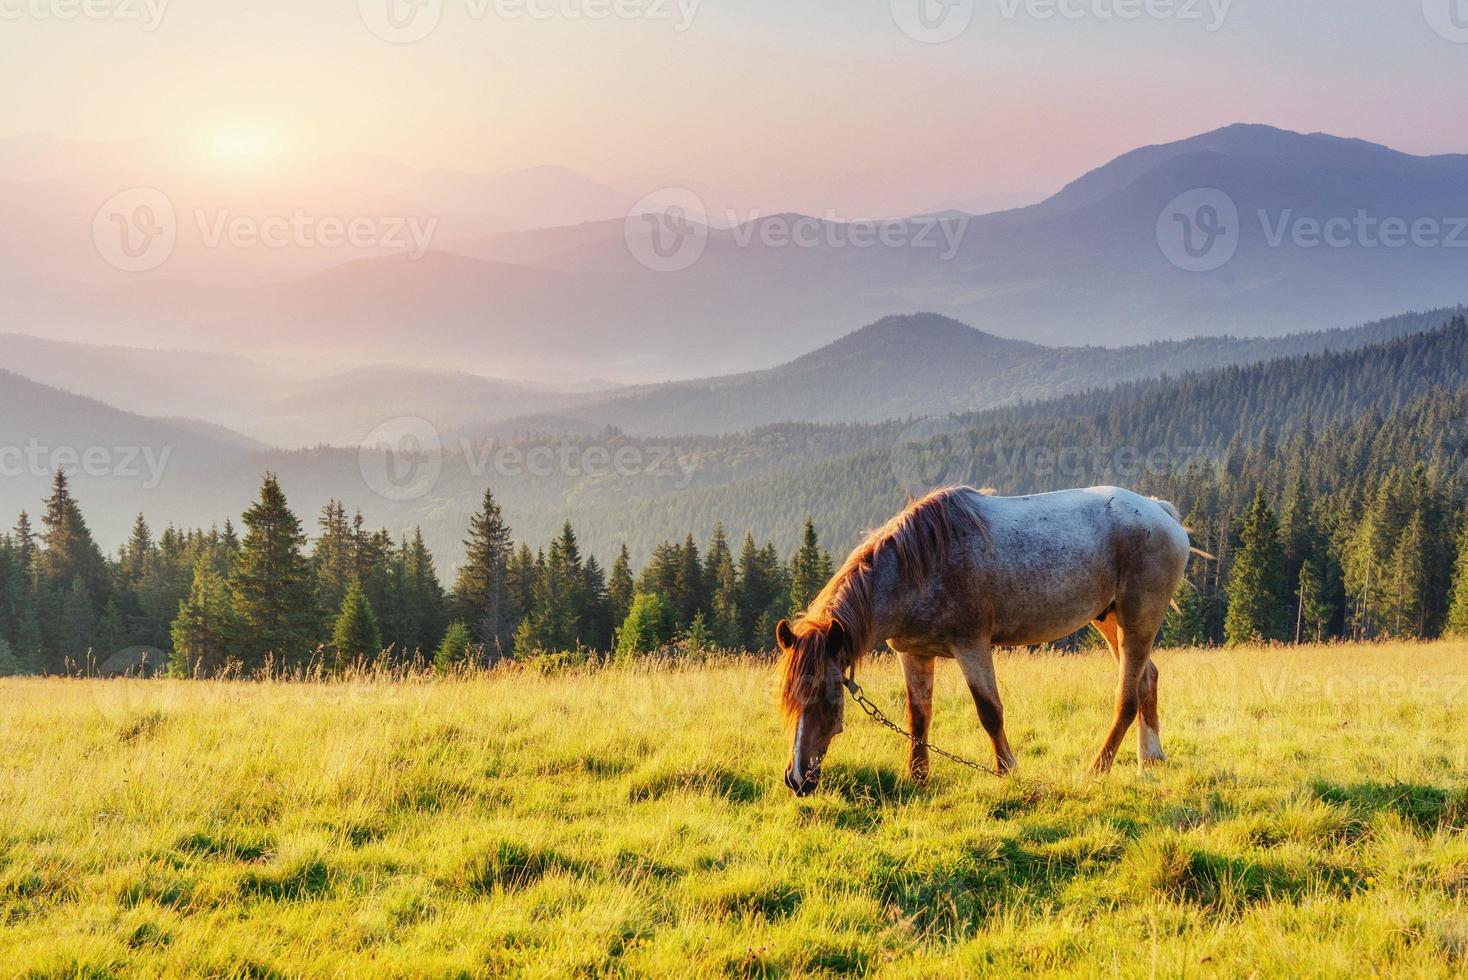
[978, 670]
[918, 671]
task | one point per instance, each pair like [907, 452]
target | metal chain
[876, 714]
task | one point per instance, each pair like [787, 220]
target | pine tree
[1457, 624]
[136, 553]
[554, 624]
[1368, 556]
[620, 586]
[334, 559]
[597, 624]
[78, 624]
[272, 588]
[425, 598]
[1187, 625]
[482, 591]
[1312, 612]
[523, 575]
[722, 580]
[10, 664]
[456, 649]
[111, 635]
[691, 597]
[649, 626]
[698, 637]
[1404, 610]
[753, 594]
[206, 630]
[1297, 530]
[229, 548]
[778, 607]
[1256, 588]
[356, 634]
[70, 553]
[810, 570]
[24, 539]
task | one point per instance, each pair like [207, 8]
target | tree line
[268, 596]
[1329, 488]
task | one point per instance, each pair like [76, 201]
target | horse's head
[814, 659]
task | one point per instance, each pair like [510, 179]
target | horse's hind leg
[1149, 732]
[1149, 746]
[918, 672]
[978, 670]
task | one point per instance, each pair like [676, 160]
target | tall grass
[631, 819]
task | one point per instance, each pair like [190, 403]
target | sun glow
[241, 148]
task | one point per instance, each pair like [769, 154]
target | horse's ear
[784, 635]
[836, 637]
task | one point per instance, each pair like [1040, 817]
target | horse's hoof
[1101, 767]
[1147, 762]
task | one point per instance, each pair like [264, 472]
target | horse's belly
[1050, 603]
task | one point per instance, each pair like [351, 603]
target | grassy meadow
[1313, 820]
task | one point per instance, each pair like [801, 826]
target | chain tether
[876, 714]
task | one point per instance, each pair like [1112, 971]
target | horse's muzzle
[802, 786]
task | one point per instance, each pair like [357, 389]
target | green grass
[632, 820]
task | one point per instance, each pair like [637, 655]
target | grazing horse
[960, 572]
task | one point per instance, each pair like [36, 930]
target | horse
[961, 571]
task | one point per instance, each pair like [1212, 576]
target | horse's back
[1055, 560]
[1087, 515]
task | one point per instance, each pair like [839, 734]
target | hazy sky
[821, 104]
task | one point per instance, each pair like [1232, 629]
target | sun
[241, 147]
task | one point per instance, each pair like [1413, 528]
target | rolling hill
[928, 364]
[1082, 267]
[620, 488]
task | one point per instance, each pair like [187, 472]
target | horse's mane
[918, 538]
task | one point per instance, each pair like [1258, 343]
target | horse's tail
[1172, 512]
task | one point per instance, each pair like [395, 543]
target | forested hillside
[1328, 487]
[927, 364]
